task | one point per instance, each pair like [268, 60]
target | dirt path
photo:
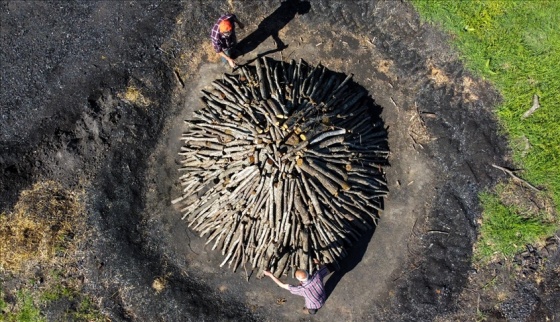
[103, 112]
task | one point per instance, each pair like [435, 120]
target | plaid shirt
[312, 290]
[220, 42]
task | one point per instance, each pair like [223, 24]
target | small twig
[535, 106]
[478, 305]
[415, 142]
[419, 113]
[393, 101]
[428, 114]
[516, 177]
[412, 233]
[246, 273]
[407, 272]
[163, 51]
[179, 78]
[437, 232]
[189, 243]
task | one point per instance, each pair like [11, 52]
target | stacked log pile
[282, 165]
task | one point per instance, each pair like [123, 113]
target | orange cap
[225, 26]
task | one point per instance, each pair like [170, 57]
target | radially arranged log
[282, 164]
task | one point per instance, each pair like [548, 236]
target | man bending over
[223, 37]
[310, 287]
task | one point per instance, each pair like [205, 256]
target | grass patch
[41, 237]
[88, 311]
[41, 230]
[78, 306]
[57, 291]
[504, 231]
[25, 310]
[134, 96]
[514, 44]
[28, 305]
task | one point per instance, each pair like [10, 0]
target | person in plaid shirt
[223, 37]
[310, 287]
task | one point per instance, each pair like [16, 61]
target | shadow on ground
[271, 26]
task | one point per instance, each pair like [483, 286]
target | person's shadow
[271, 25]
[355, 255]
[357, 251]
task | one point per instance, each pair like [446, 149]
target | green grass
[28, 305]
[27, 310]
[87, 311]
[516, 46]
[505, 231]
[57, 292]
[83, 310]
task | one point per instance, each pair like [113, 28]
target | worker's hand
[232, 63]
[240, 24]
[316, 261]
[267, 273]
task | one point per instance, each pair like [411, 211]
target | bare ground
[94, 96]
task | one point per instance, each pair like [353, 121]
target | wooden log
[269, 78]
[301, 208]
[262, 79]
[234, 84]
[226, 91]
[320, 167]
[311, 194]
[281, 266]
[318, 84]
[344, 82]
[326, 90]
[326, 182]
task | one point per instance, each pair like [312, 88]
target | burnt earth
[94, 96]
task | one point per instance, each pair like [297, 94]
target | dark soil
[65, 116]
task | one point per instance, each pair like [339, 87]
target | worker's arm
[229, 60]
[320, 265]
[239, 23]
[276, 280]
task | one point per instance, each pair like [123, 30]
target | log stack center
[283, 164]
